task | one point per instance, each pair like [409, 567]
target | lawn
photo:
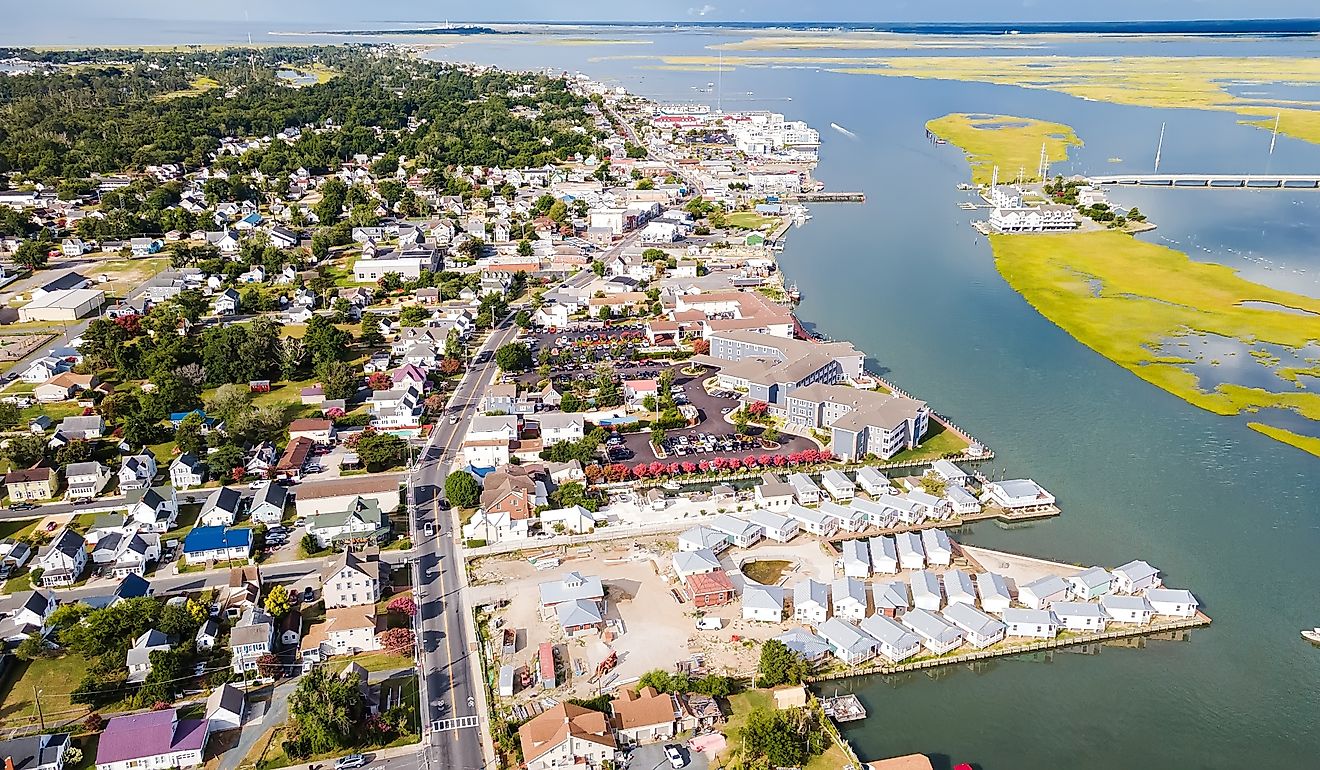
[1011, 143]
[56, 411]
[741, 705]
[375, 661]
[53, 679]
[18, 528]
[766, 572]
[938, 443]
[1123, 297]
[198, 86]
[750, 220]
[188, 514]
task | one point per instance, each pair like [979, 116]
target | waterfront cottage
[1175, 602]
[958, 588]
[848, 643]
[777, 526]
[773, 494]
[762, 603]
[911, 555]
[1033, 624]
[925, 590]
[804, 644]
[855, 559]
[740, 533]
[813, 521]
[890, 599]
[849, 598]
[993, 590]
[1127, 609]
[937, 634]
[938, 548]
[884, 555]
[948, 472]
[1017, 494]
[873, 482]
[804, 489]
[700, 537]
[688, 563]
[876, 515]
[1080, 616]
[837, 485]
[979, 629]
[1039, 594]
[844, 518]
[811, 602]
[1134, 577]
[960, 500]
[1090, 584]
[893, 639]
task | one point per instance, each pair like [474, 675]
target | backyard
[53, 679]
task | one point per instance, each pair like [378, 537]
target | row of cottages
[888, 554]
[800, 489]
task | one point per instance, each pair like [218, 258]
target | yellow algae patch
[1009, 142]
[1305, 443]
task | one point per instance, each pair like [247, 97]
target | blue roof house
[209, 544]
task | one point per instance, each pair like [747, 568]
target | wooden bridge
[1228, 181]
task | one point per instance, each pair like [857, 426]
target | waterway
[1226, 512]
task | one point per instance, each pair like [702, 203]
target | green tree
[33, 252]
[462, 490]
[378, 451]
[414, 315]
[188, 436]
[278, 602]
[325, 712]
[371, 334]
[76, 451]
[10, 415]
[338, 379]
[524, 248]
[779, 665]
[324, 341]
[25, 451]
[514, 357]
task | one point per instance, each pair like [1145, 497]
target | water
[1222, 510]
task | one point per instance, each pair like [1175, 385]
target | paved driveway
[652, 757]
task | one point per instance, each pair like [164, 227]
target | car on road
[350, 761]
[453, 420]
[673, 754]
[428, 529]
[255, 484]
[21, 506]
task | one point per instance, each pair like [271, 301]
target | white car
[675, 756]
[256, 484]
[709, 624]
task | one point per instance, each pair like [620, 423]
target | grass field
[750, 220]
[938, 443]
[1011, 143]
[54, 679]
[740, 706]
[1149, 293]
[199, 85]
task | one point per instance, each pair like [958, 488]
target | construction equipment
[604, 667]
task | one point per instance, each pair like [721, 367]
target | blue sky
[31, 15]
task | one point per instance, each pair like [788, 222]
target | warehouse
[335, 495]
[62, 305]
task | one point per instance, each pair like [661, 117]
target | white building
[1174, 602]
[939, 551]
[1080, 616]
[1033, 624]
[884, 555]
[926, 590]
[979, 629]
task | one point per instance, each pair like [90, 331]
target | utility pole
[1044, 168]
[36, 698]
[1275, 136]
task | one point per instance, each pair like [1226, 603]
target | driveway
[652, 757]
[275, 711]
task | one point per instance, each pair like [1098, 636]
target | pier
[1225, 181]
[1021, 646]
[843, 708]
[827, 197]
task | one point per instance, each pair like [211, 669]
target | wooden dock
[827, 197]
[843, 708]
[1021, 646]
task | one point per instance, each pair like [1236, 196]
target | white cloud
[702, 11]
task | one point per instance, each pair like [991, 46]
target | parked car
[356, 760]
[308, 595]
[675, 757]
[21, 506]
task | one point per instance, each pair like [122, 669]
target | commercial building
[62, 305]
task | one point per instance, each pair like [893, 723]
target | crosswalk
[456, 723]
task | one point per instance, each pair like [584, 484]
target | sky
[35, 15]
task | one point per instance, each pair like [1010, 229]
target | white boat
[1312, 635]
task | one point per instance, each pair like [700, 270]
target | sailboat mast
[1274, 137]
[1159, 148]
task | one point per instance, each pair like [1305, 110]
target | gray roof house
[1080, 616]
[1034, 624]
[702, 537]
[958, 587]
[937, 634]
[848, 643]
[804, 489]
[765, 603]
[891, 598]
[856, 558]
[139, 655]
[571, 587]
[267, 506]
[806, 644]
[1040, 593]
[993, 590]
[837, 485]
[979, 629]
[187, 471]
[225, 708]
[873, 482]
[36, 752]
[221, 508]
[811, 602]
[1127, 609]
[893, 640]
[1135, 576]
[695, 562]
[1090, 584]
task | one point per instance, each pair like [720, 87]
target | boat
[1312, 635]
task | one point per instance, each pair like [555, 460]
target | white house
[855, 559]
[575, 518]
[1134, 577]
[811, 602]
[873, 482]
[925, 590]
[225, 708]
[763, 603]
[804, 489]
[848, 595]
[938, 548]
[937, 634]
[777, 526]
[948, 472]
[267, 505]
[137, 471]
[911, 555]
[86, 480]
[773, 494]
[1090, 584]
[702, 537]
[740, 533]
[890, 598]
[1136, 610]
[138, 659]
[837, 485]
[1039, 594]
[993, 590]
[1080, 616]
[688, 563]
[1033, 624]
[1016, 494]
[64, 560]
[556, 427]
[958, 587]
[215, 544]
[884, 555]
[893, 639]
[814, 521]
[155, 509]
[187, 472]
[1175, 602]
[221, 508]
[152, 740]
[845, 518]
[848, 643]
[979, 629]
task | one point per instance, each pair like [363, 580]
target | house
[890, 598]
[262, 458]
[26, 615]
[63, 561]
[773, 494]
[740, 533]
[212, 544]
[1039, 594]
[1136, 610]
[811, 602]
[884, 555]
[155, 509]
[225, 708]
[979, 629]
[63, 386]
[207, 634]
[814, 521]
[221, 508]
[319, 431]
[513, 490]
[573, 586]
[295, 459]
[1016, 494]
[960, 500]
[837, 485]
[86, 480]
[847, 642]
[137, 471]
[763, 603]
[1174, 602]
[36, 752]
[85, 427]
[804, 644]
[937, 634]
[702, 537]
[567, 735]
[958, 587]
[893, 640]
[644, 715]
[873, 482]
[250, 638]
[353, 579]
[345, 631]
[361, 523]
[993, 590]
[1033, 624]
[575, 518]
[139, 654]
[187, 472]
[939, 551]
[227, 302]
[710, 589]
[855, 558]
[911, 554]
[122, 553]
[152, 740]
[1134, 577]
[335, 495]
[267, 504]
[1080, 616]
[1090, 584]
[579, 617]
[925, 590]
[777, 526]
[804, 489]
[948, 472]
[39, 483]
[688, 563]
[557, 428]
[849, 598]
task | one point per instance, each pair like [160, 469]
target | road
[449, 669]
